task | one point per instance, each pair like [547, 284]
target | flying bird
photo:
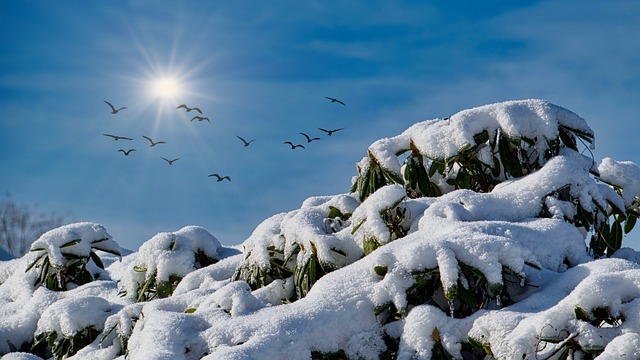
[153, 143]
[171, 161]
[200, 118]
[308, 138]
[184, 106]
[126, 153]
[246, 143]
[113, 108]
[333, 100]
[293, 146]
[329, 132]
[220, 178]
[116, 137]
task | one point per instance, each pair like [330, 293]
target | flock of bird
[199, 118]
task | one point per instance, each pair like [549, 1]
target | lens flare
[166, 88]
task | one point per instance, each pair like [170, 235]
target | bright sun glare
[166, 88]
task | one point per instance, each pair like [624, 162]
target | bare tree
[20, 225]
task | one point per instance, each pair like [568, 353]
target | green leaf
[99, 240]
[35, 262]
[190, 310]
[334, 212]
[96, 259]
[70, 243]
[380, 270]
[630, 223]
[481, 138]
[567, 139]
[370, 244]
[581, 314]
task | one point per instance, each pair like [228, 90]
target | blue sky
[262, 70]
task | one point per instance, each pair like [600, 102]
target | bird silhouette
[333, 100]
[329, 132]
[171, 161]
[153, 143]
[294, 146]
[246, 143]
[200, 118]
[116, 137]
[126, 153]
[308, 138]
[220, 178]
[184, 106]
[113, 108]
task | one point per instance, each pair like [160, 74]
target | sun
[166, 88]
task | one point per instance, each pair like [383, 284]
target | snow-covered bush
[484, 235]
[165, 259]
[61, 257]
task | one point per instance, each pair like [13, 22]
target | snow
[441, 139]
[542, 290]
[624, 174]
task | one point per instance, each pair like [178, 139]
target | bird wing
[109, 135]
[337, 130]
[289, 142]
[305, 135]
[198, 110]
[227, 177]
[182, 106]
[302, 146]
[340, 102]
[148, 138]
[121, 150]
[124, 138]
[243, 140]
[111, 106]
[325, 130]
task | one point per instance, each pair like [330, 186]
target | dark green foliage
[60, 347]
[338, 355]
[74, 270]
[152, 288]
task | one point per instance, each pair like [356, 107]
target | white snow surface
[441, 139]
[211, 315]
[624, 174]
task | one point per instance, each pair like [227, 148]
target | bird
[184, 106]
[246, 143]
[329, 132]
[308, 138]
[294, 146]
[116, 137]
[126, 153]
[200, 118]
[153, 143]
[333, 100]
[113, 109]
[220, 178]
[171, 161]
